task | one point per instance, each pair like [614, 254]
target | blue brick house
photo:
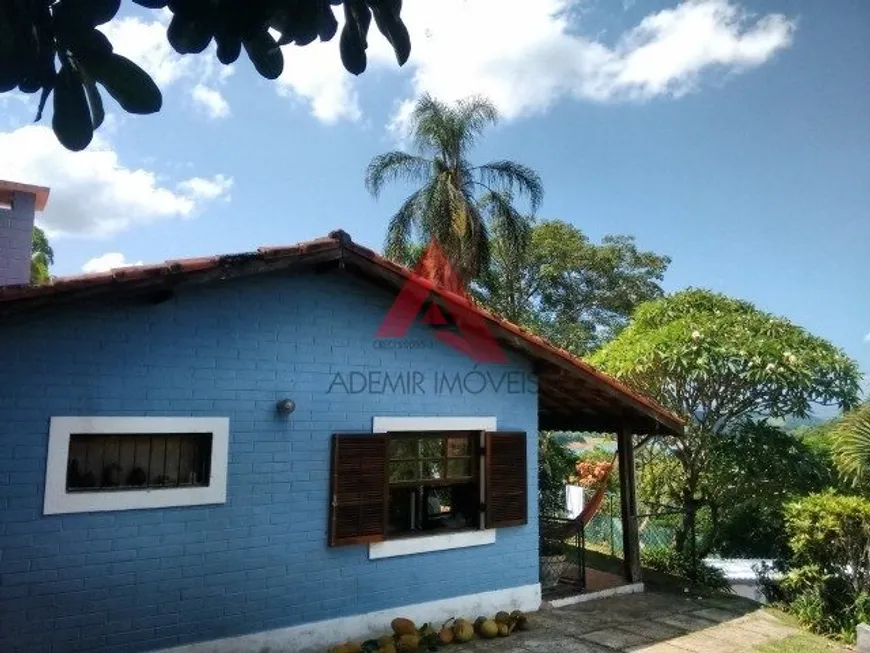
[229, 454]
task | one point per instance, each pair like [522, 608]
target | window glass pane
[403, 448]
[458, 446]
[421, 509]
[459, 468]
[405, 471]
[110, 462]
[158, 460]
[401, 510]
[432, 469]
[431, 447]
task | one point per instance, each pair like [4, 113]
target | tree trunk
[710, 541]
[685, 536]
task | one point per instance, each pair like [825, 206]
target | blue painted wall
[147, 579]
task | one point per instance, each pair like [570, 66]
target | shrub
[671, 562]
[825, 578]
[831, 532]
[752, 529]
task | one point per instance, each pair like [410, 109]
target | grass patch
[802, 643]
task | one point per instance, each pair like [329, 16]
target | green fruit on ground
[489, 629]
[463, 631]
[503, 630]
[502, 617]
[477, 624]
[523, 623]
[516, 614]
[402, 626]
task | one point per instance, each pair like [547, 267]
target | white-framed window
[436, 429]
[129, 463]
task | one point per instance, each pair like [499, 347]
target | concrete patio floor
[648, 623]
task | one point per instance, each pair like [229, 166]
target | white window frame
[428, 543]
[59, 501]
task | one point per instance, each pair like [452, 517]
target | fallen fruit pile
[407, 638]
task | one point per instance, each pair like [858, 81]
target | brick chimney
[18, 206]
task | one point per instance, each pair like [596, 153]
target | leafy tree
[851, 445]
[456, 203]
[578, 294]
[594, 466]
[754, 470]
[53, 46]
[556, 466]
[718, 361]
[42, 256]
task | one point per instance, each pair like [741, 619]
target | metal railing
[562, 555]
[565, 543]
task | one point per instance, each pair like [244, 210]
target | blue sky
[733, 137]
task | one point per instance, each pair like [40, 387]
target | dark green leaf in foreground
[131, 86]
[72, 118]
[264, 53]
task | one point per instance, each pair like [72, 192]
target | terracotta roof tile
[338, 241]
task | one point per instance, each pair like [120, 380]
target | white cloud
[144, 42]
[92, 192]
[867, 337]
[315, 74]
[106, 262]
[211, 101]
[207, 189]
[523, 55]
[527, 55]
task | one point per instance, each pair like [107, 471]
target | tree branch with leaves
[54, 47]
[719, 361]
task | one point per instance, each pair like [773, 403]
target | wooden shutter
[358, 493]
[507, 489]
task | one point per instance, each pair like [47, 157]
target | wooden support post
[628, 499]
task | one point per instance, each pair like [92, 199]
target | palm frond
[512, 229]
[396, 166]
[401, 225]
[851, 438]
[480, 253]
[511, 177]
[436, 216]
[447, 207]
[473, 115]
[431, 124]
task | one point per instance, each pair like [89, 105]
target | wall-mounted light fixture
[286, 406]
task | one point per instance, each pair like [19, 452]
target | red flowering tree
[592, 473]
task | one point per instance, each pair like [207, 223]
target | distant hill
[792, 424]
[581, 442]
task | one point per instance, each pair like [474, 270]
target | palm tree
[851, 438]
[41, 257]
[456, 203]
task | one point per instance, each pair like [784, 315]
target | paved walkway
[647, 623]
